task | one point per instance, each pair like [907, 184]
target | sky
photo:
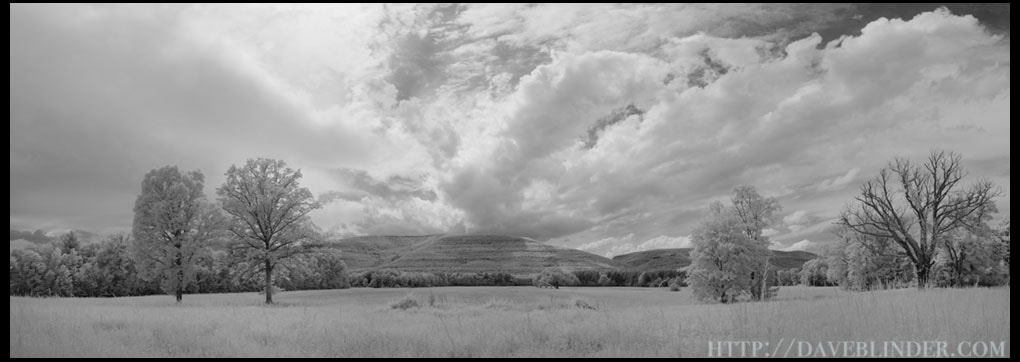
[608, 128]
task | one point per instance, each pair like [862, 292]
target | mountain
[662, 259]
[657, 259]
[464, 253]
[38, 236]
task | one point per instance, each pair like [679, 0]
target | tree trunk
[269, 282]
[179, 293]
[923, 272]
[765, 277]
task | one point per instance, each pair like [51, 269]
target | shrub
[583, 304]
[674, 284]
[408, 302]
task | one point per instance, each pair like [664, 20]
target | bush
[408, 302]
[583, 304]
[674, 285]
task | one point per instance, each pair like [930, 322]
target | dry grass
[489, 322]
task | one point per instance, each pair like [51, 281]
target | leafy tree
[971, 256]
[57, 278]
[269, 215]
[69, 242]
[813, 273]
[26, 272]
[864, 262]
[788, 277]
[325, 269]
[169, 229]
[756, 213]
[557, 276]
[644, 279]
[916, 205]
[722, 257]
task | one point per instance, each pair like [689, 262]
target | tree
[756, 213]
[1004, 239]
[321, 269]
[722, 257]
[69, 242]
[971, 256]
[915, 206]
[269, 212]
[168, 229]
[788, 277]
[555, 277]
[814, 273]
[864, 262]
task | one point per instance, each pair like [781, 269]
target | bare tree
[917, 205]
[1004, 239]
[270, 214]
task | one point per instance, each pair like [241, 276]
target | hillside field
[491, 322]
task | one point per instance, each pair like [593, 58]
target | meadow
[490, 322]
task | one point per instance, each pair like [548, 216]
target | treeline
[106, 269]
[584, 278]
[66, 268]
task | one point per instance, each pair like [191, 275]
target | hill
[464, 253]
[663, 259]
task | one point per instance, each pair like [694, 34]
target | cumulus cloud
[566, 123]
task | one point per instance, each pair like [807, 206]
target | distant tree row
[108, 269]
[554, 276]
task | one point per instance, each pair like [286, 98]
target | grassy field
[490, 322]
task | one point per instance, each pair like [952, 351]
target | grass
[489, 322]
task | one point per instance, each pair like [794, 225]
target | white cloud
[839, 182]
[498, 97]
[803, 245]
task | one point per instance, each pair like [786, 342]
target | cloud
[796, 220]
[562, 122]
[103, 94]
[362, 185]
[613, 246]
[838, 182]
[803, 245]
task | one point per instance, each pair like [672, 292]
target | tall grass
[489, 322]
